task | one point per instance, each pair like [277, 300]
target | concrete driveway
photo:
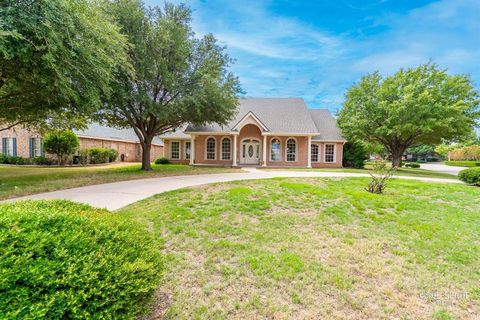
[116, 195]
[440, 167]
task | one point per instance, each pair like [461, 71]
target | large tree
[414, 106]
[57, 59]
[177, 77]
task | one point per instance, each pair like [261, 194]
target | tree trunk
[397, 157]
[146, 147]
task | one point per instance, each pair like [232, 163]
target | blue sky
[318, 49]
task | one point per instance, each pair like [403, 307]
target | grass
[410, 172]
[316, 248]
[463, 163]
[18, 181]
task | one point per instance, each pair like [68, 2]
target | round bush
[470, 176]
[162, 160]
[59, 259]
[112, 155]
[62, 143]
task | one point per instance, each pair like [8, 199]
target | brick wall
[23, 140]
[131, 149]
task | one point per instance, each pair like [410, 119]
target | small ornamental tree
[422, 105]
[62, 143]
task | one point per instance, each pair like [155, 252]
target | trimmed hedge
[162, 160]
[463, 163]
[470, 176]
[24, 161]
[412, 165]
[63, 260]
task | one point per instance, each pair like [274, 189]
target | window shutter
[14, 147]
[4, 146]
[42, 152]
[30, 145]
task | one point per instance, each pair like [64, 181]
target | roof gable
[249, 118]
[278, 115]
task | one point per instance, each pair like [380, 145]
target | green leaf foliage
[354, 155]
[422, 105]
[470, 176]
[178, 78]
[62, 260]
[62, 143]
[57, 57]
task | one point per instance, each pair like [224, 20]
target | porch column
[264, 149]
[192, 150]
[309, 152]
[234, 150]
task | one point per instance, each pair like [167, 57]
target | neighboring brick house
[268, 132]
[23, 143]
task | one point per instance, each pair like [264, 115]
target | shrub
[463, 163]
[83, 156]
[62, 260]
[162, 160]
[354, 155]
[466, 153]
[62, 143]
[470, 176]
[380, 175]
[421, 161]
[98, 155]
[412, 165]
[14, 160]
[112, 155]
[41, 161]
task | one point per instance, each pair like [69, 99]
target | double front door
[250, 152]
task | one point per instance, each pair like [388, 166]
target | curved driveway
[116, 195]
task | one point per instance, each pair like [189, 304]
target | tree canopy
[422, 105]
[57, 59]
[177, 78]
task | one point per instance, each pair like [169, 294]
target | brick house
[27, 144]
[268, 132]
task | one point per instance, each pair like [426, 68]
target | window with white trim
[210, 149]
[275, 150]
[226, 149]
[329, 153]
[36, 147]
[188, 150]
[315, 153]
[175, 150]
[291, 150]
[9, 147]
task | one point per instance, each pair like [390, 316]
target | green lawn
[20, 180]
[411, 172]
[317, 248]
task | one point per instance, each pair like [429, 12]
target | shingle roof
[96, 130]
[289, 115]
[326, 125]
[177, 134]
[279, 115]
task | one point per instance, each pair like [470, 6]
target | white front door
[250, 152]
